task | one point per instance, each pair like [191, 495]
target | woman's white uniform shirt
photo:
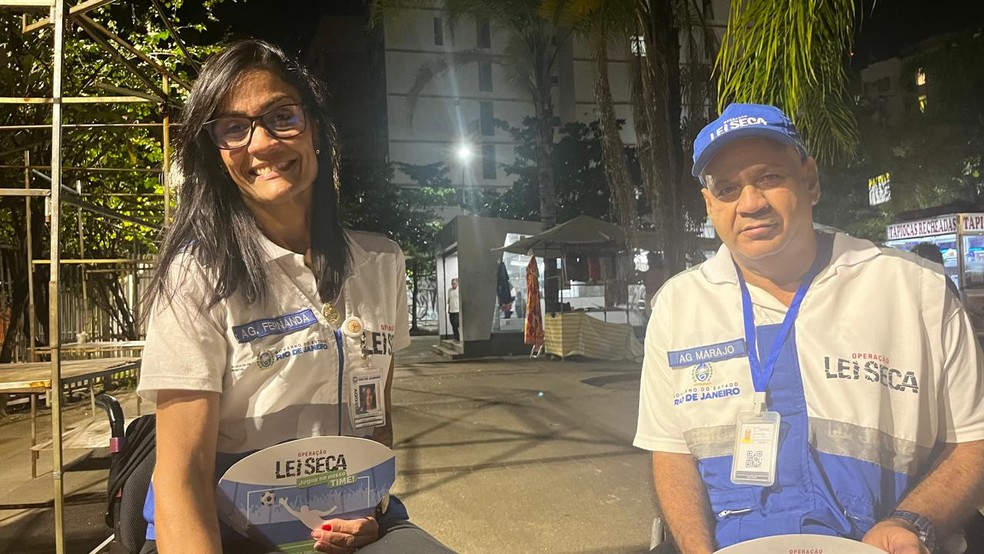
[276, 362]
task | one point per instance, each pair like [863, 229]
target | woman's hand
[344, 536]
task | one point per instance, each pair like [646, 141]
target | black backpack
[132, 465]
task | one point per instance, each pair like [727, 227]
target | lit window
[920, 77]
[638, 45]
[922, 103]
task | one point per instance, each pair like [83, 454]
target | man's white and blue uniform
[276, 363]
[879, 370]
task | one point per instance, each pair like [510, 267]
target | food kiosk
[960, 238]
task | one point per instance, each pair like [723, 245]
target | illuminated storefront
[960, 238]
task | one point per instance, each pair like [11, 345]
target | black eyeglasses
[235, 131]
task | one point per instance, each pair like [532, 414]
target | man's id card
[756, 449]
[368, 408]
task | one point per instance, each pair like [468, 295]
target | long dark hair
[212, 221]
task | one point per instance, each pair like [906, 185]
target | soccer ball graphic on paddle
[268, 498]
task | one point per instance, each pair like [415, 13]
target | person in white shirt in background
[454, 309]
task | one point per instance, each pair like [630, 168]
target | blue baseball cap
[739, 121]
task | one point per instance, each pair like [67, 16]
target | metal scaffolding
[58, 195]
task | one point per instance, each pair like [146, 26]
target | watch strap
[925, 529]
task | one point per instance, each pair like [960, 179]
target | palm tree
[533, 43]
[670, 96]
[600, 21]
[795, 61]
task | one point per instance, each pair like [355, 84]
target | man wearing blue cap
[805, 382]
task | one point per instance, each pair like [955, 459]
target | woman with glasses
[256, 279]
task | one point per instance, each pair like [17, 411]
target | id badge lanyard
[365, 411]
[757, 431]
[340, 345]
[363, 386]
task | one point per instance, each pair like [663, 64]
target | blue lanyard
[762, 375]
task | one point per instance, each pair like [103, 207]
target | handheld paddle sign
[278, 495]
[797, 544]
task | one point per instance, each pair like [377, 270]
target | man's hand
[895, 537]
[343, 536]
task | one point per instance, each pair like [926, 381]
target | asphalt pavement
[493, 455]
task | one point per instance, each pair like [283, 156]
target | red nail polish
[326, 527]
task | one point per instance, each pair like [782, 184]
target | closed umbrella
[533, 327]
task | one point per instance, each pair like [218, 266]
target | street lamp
[464, 153]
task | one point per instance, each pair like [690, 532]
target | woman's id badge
[367, 405]
[756, 449]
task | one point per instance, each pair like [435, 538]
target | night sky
[291, 24]
[887, 27]
[893, 26]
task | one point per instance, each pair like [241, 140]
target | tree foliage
[579, 165]
[791, 54]
[933, 154]
[601, 22]
[408, 215]
[671, 87]
[132, 186]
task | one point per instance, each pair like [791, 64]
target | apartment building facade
[455, 118]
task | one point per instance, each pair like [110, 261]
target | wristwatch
[924, 528]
